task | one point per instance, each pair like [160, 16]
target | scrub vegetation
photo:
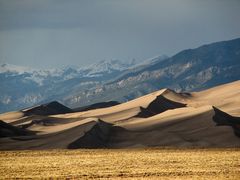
[122, 163]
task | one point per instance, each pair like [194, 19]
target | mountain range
[189, 70]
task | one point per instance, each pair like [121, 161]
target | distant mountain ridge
[98, 69]
[189, 70]
[22, 87]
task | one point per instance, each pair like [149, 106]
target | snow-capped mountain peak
[15, 69]
[40, 76]
[108, 66]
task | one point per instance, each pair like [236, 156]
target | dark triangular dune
[159, 105]
[96, 137]
[96, 106]
[48, 109]
[223, 119]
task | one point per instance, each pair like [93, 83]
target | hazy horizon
[51, 33]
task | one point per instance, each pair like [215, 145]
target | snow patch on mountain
[106, 67]
[9, 68]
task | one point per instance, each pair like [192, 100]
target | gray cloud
[50, 33]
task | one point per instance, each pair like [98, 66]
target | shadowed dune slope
[161, 118]
[96, 106]
[223, 119]
[57, 140]
[7, 130]
[159, 105]
[47, 109]
[97, 137]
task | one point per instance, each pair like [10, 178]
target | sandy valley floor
[127, 163]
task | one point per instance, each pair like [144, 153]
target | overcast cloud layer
[55, 33]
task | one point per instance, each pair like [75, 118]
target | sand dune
[159, 105]
[7, 130]
[47, 109]
[223, 119]
[225, 97]
[162, 118]
[96, 106]
[11, 116]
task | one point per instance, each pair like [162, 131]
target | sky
[57, 33]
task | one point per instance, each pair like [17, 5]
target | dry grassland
[116, 164]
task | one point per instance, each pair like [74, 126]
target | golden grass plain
[121, 163]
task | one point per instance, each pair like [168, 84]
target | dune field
[163, 118]
[162, 135]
